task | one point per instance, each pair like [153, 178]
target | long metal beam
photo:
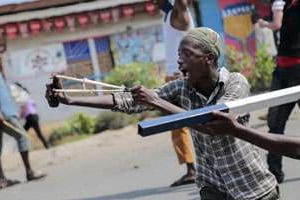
[202, 115]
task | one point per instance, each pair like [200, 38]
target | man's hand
[144, 95]
[180, 17]
[221, 124]
[52, 96]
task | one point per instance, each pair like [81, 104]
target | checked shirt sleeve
[124, 102]
[237, 87]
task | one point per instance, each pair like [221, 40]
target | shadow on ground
[290, 180]
[192, 192]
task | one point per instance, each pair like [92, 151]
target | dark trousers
[32, 120]
[210, 193]
[278, 116]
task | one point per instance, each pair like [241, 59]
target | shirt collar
[223, 77]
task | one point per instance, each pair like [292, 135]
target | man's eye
[187, 53]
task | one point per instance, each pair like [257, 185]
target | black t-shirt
[290, 30]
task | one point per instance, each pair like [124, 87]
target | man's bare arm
[104, 101]
[180, 18]
[275, 24]
[224, 124]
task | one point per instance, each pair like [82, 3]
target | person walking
[29, 113]
[177, 20]
[286, 17]
[9, 114]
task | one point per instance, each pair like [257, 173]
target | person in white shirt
[177, 20]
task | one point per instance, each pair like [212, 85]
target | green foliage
[59, 133]
[237, 61]
[128, 75]
[113, 120]
[79, 124]
[135, 74]
[82, 123]
[258, 71]
[262, 73]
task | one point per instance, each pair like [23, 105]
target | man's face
[192, 61]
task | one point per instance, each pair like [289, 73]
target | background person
[286, 17]
[177, 20]
[9, 113]
[29, 113]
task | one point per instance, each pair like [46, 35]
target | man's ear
[210, 58]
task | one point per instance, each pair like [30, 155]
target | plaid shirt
[224, 162]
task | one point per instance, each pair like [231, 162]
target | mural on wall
[78, 58]
[135, 45]
[238, 27]
[79, 63]
[28, 63]
[104, 54]
[77, 51]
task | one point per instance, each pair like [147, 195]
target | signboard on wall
[28, 63]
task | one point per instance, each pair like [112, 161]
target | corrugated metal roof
[9, 2]
[63, 10]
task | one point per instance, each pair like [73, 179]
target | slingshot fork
[85, 81]
[56, 86]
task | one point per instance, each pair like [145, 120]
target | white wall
[36, 85]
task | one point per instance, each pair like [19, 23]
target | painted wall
[36, 78]
[135, 45]
[232, 20]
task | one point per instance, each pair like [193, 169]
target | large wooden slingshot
[56, 86]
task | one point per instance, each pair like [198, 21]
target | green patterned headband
[207, 39]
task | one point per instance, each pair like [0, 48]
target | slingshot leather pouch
[52, 100]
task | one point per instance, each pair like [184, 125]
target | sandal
[184, 180]
[7, 183]
[35, 176]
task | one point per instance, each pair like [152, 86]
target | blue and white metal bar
[202, 115]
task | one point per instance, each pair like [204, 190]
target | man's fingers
[219, 115]
[135, 88]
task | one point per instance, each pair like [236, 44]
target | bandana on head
[207, 39]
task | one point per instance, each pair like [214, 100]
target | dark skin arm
[104, 101]
[149, 97]
[140, 94]
[223, 124]
[180, 16]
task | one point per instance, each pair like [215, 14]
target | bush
[82, 123]
[257, 71]
[79, 124]
[59, 133]
[262, 73]
[113, 120]
[135, 74]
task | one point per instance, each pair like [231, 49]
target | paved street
[120, 165]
